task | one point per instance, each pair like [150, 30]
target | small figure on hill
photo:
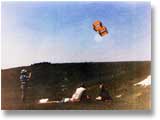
[24, 78]
[80, 94]
[103, 94]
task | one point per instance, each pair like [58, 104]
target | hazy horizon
[61, 32]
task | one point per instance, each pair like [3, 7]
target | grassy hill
[56, 81]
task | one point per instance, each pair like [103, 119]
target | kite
[98, 27]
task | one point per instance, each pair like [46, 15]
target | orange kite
[98, 27]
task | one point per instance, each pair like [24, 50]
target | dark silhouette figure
[103, 94]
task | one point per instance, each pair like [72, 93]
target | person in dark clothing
[103, 94]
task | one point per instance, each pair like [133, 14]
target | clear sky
[61, 32]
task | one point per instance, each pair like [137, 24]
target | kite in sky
[101, 29]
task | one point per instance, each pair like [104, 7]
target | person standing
[24, 78]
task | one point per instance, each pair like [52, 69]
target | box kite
[98, 27]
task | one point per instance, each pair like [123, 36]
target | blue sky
[61, 32]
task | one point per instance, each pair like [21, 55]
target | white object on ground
[99, 98]
[44, 100]
[146, 82]
[118, 96]
[66, 100]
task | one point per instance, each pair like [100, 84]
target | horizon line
[74, 63]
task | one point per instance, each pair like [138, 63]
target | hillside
[55, 81]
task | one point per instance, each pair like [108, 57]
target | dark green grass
[47, 80]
